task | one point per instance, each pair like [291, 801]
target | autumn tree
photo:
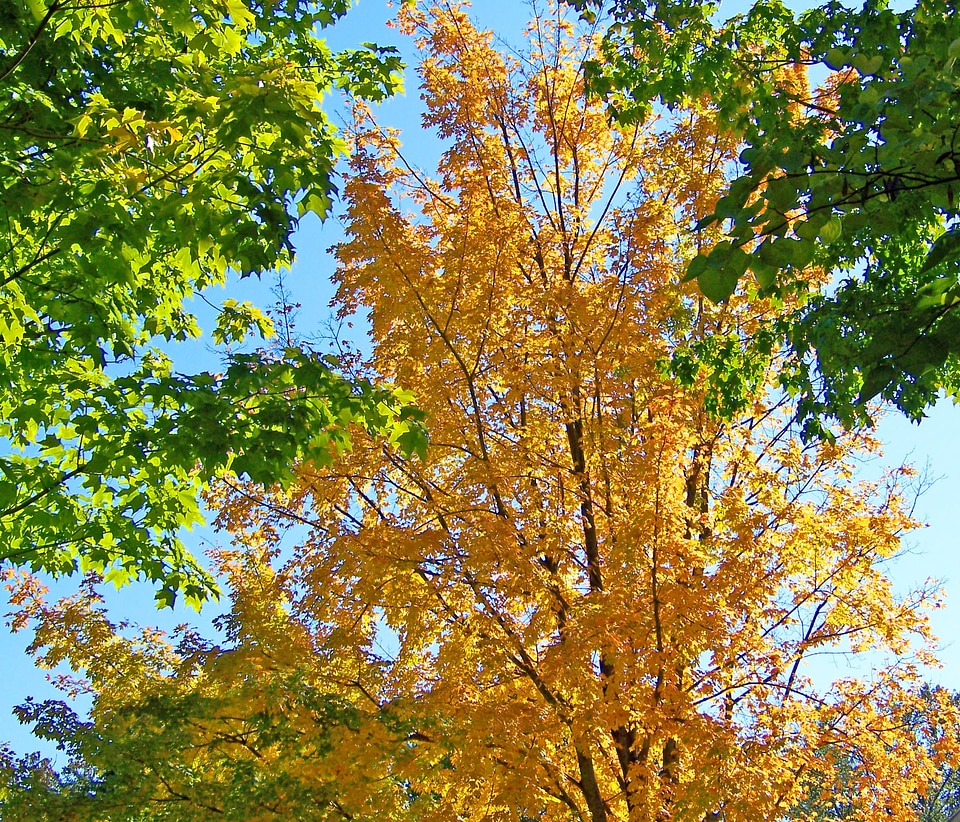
[253, 727]
[941, 803]
[594, 599]
[148, 151]
[862, 178]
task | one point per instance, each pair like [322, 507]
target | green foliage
[147, 151]
[860, 176]
[148, 769]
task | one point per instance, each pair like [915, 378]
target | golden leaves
[591, 599]
[584, 538]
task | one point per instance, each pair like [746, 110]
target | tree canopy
[147, 152]
[594, 599]
[858, 175]
[843, 798]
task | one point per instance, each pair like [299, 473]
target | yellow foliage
[592, 600]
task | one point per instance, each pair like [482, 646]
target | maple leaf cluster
[593, 599]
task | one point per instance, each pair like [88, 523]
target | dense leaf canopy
[594, 600]
[147, 152]
[859, 176]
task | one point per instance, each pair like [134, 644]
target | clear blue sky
[933, 550]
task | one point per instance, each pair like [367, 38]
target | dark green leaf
[946, 248]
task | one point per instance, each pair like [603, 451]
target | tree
[859, 178]
[252, 729]
[939, 804]
[147, 151]
[594, 599]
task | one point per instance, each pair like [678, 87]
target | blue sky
[934, 445]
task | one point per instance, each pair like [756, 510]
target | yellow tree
[592, 600]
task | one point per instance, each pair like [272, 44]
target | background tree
[858, 176]
[253, 727]
[146, 150]
[939, 804]
[594, 599]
